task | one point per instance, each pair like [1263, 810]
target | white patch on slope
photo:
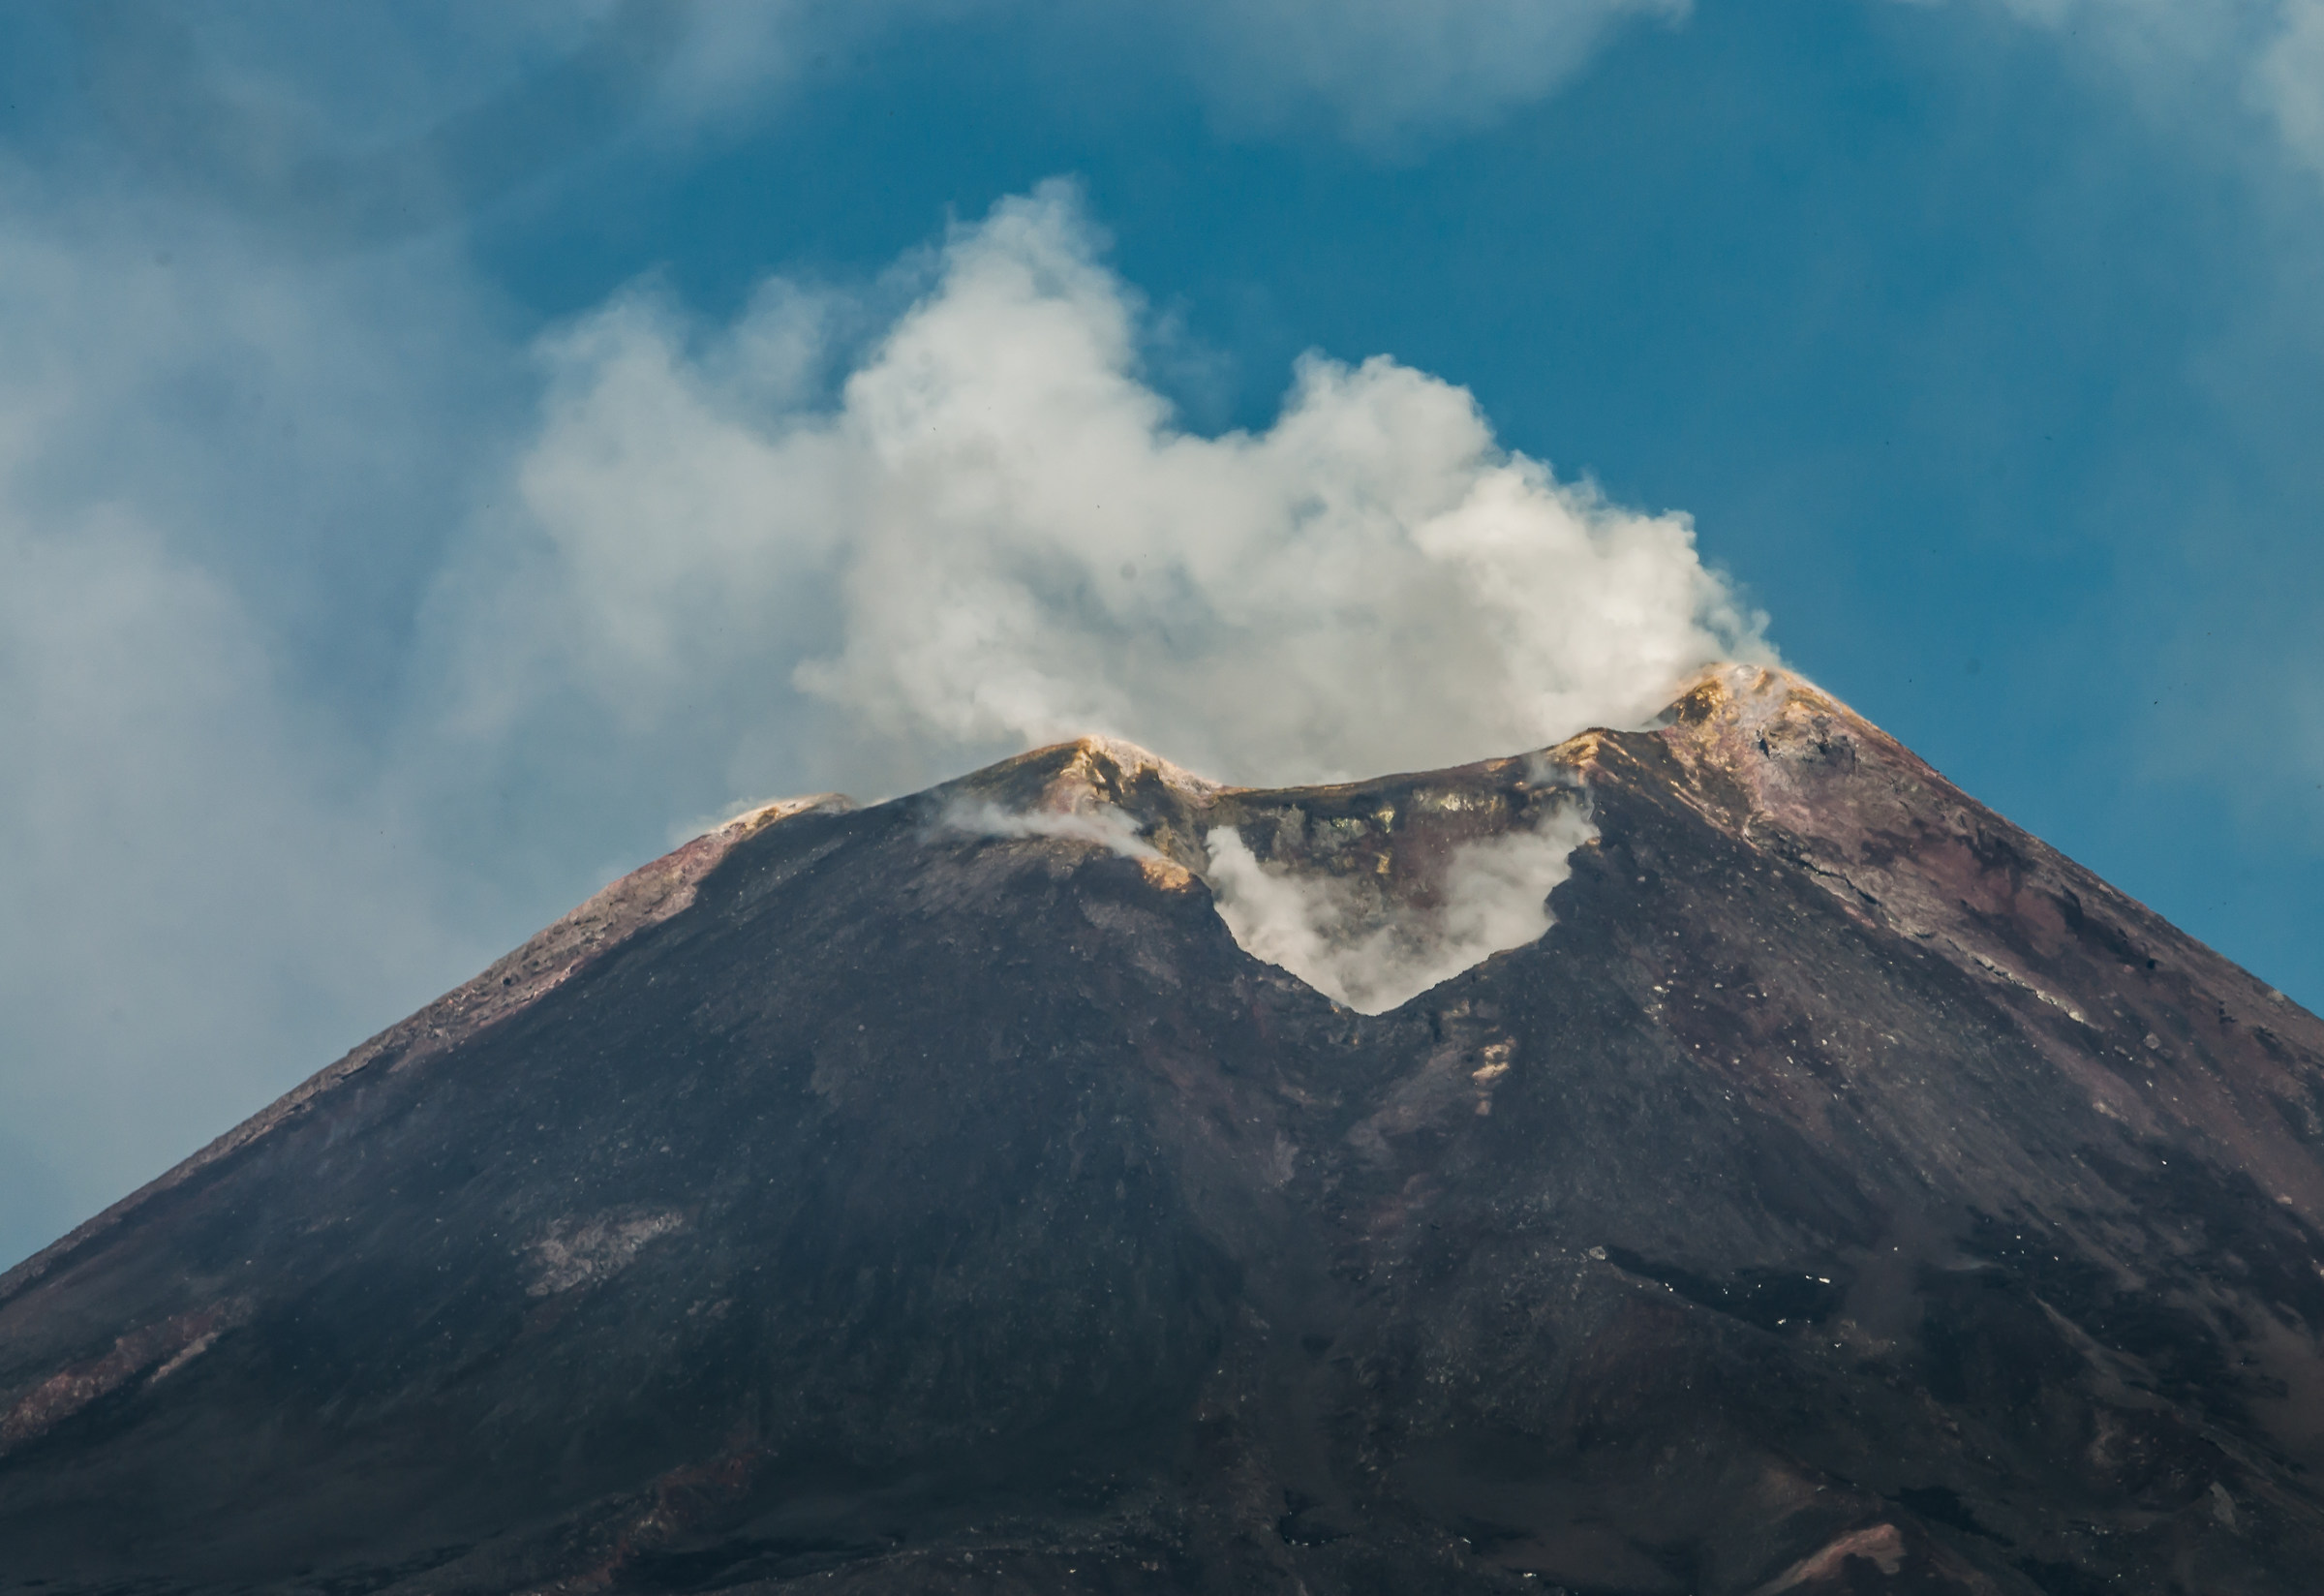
[577, 1252]
[1321, 929]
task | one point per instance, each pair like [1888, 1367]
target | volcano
[1844, 1192]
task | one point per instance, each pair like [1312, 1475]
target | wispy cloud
[2288, 79]
[369, 122]
[2204, 65]
[1387, 71]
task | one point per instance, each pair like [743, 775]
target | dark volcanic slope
[1849, 1193]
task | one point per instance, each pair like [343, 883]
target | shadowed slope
[1848, 1192]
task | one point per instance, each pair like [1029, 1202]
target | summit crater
[1836, 1190]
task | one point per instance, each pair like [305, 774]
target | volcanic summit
[1834, 1190]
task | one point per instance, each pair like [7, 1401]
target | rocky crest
[1848, 1193]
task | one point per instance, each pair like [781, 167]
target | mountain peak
[1077, 776]
[1825, 1185]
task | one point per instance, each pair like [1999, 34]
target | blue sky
[448, 452]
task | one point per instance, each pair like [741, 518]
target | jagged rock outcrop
[1847, 1193]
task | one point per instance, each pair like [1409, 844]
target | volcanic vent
[1828, 1187]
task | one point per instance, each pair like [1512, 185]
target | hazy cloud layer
[2204, 63]
[195, 915]
[1010, 543]
[182, 890]
[368, 121]
[1385, 70]
[207, 892]
[373, 121]
[389, 118]
[2289, 82]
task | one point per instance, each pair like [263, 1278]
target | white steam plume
[1000, 538]
[1108, 828]
[1338, 935]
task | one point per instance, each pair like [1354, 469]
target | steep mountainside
[1848, 1193]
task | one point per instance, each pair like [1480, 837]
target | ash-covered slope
[1847, 1193]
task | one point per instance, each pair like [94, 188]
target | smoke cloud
[1346, 938]
[993, 534]
[972, 527]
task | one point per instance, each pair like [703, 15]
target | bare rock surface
[1847, 1193]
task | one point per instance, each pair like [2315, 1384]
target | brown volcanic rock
[1848, 1194]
